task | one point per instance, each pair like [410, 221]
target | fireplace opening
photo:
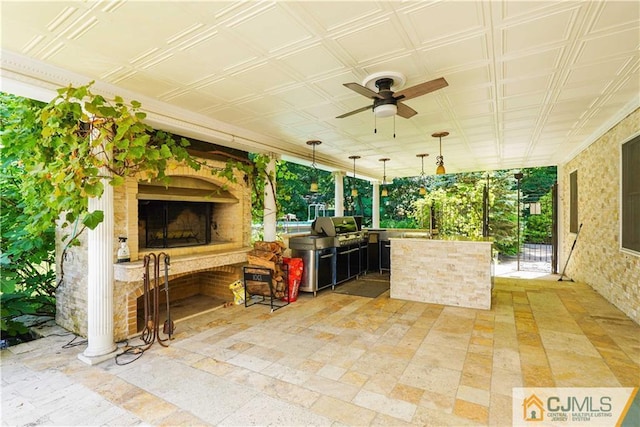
[172, 224]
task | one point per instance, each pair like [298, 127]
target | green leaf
[94, 189]
[153, 155]
[165, 151]
[93, 219]
[137, 152]
[80, 92]
[8, 286]
[117, 180]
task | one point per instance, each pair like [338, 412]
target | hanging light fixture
[314, 179]
[384, 193]
[423, 190]
[440, 160]
[354, 190]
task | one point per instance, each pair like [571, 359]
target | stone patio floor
[336, 360]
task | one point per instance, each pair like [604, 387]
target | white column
[270, 213]
[101, 345]
[338, 178]
[375, 209]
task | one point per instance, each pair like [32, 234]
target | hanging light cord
[384, 172]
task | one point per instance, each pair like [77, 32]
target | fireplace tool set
[151, 299]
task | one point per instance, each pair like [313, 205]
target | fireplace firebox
[172, 224]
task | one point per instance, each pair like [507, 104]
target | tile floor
[337, 360]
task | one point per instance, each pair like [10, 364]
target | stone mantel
[133, 271]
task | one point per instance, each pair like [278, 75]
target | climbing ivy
[83, 141]
[57, 155]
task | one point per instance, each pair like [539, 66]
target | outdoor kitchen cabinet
[347, 262]
[318, 268]
[373, 252]
[385, 255]
[364, 257]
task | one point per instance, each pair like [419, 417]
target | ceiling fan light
[385, 110]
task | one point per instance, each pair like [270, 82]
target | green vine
[80, 140]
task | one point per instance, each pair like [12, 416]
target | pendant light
[314, 179]
[384, 193]
[354, 190]
[440, 160]
[423, 190]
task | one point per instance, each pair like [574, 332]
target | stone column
[375, 208]
[101, 345]
[338, 178]
[269, 217]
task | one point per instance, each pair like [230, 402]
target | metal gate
[538, 251]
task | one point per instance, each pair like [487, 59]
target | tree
[536, 187]
[27, 285]
[537, 182]
[503, 211]
[293, 182]
[456, 201]
[538, 227]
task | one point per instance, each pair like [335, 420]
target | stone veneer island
[449, 272]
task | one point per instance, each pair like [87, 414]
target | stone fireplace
[201, 221]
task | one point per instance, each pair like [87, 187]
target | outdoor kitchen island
[442, 271]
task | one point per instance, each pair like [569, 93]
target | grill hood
[334, 226]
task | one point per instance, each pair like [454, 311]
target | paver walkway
[337, 360]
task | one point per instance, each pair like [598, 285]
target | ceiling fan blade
[359, 110]
[363, 90]
[421, 89]
[405, 111]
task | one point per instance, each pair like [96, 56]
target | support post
[518, 177]
[101, 345]
[270, 208]
[338, 178]
[375, 209]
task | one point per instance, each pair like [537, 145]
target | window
[573, 202]
[631, 194]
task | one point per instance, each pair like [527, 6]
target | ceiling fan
[386, 102]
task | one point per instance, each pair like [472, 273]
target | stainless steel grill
[344, 230]
[323, 251]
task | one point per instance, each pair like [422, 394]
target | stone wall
[456, 273]
[71, 295]
[597, 258]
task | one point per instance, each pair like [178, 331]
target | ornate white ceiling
[531, 83]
